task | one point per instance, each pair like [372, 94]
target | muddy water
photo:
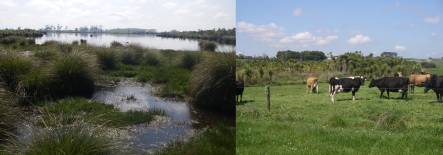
[175, 125]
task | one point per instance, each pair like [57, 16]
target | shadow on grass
[244, 102]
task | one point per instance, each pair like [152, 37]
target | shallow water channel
[129, 95]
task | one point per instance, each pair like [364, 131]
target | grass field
[301, 123]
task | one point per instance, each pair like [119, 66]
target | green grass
[215, 141]
[95, 112]
[301, 123]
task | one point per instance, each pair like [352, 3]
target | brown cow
[418, 80]
[312, 84]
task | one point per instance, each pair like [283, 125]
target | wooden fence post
[268, 97]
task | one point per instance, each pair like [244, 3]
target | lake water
[177, 125]
[145, 40]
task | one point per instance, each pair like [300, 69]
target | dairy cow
[436, 84]
[417, 80]
[348, 84]
[391, 84]
[312, 84]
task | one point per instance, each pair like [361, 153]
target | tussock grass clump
[34, 85]
[391, 120]
[116, 44]
[151, 59]
[46, 55]
[207, 46]
[65, 48]
[12, 67]
[9, 112]
[73, 75]
[336, 121]
[189, 60]
[78, 138]
[107, 59]
[131, 57]
[213, 83]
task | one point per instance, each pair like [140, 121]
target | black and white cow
[436, 84]
[348, 84]
[391, 84]
[240, 86]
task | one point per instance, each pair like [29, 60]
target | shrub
[207, 46]
[213, 83]
[73, 75]
[12, 67]
[107, 59]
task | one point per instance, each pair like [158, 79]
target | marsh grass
[12, 67]
[73, 75]
[212, 83]
[107, 59]
[76, 138]
[9, 112]
[96, 112]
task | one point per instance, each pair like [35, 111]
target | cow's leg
[412, 88]
[381, 93]
[236, 98]
[387, 91]
[353, 95]
[241, 97]
[333, 97]
[316, 89]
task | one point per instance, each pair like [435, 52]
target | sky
[412, 28]
[163, 15]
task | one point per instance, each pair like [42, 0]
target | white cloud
[359, 39]
[262, 32]
[297, 12]
[399, 48]
[158, 14]
[432, 19]
[306, 39]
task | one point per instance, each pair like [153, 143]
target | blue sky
[412, 28]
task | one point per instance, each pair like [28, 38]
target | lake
[145, 40]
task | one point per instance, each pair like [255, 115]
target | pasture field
[301, 123]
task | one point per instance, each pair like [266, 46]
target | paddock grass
[301, 123]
